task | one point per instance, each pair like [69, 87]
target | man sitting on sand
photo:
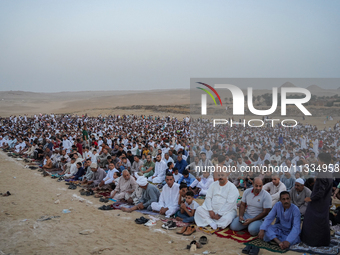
[88, 174]
[187, 209]
[298, 195]
[150, 194]
[219, 207]
[274, 188]
[202, 183]
[136, 165]
[80, 172]
[108, 182]
[126, 185]
[168, 200]
[160, 169]
[98, 175]
[70, 169]
[102, 158]
[286, 230]
[148, 168]
[47, 163]
[186, 178]
[255, 205]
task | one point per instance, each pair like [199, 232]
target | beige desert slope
[90, 102]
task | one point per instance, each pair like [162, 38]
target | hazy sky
[70, 45]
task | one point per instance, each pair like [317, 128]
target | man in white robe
[67, 145]
[219, 208]
[160, 169]
[274, 188]
[203, 183]
[168, 200]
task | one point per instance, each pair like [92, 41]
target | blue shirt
[189, 180]
[181, 165]
[80, 173]
[287, 221]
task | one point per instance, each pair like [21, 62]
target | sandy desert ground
[115, 232]
[92, 103]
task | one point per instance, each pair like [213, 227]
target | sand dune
[19, 102]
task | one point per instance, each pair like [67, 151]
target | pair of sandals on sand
[105, 207]
[141, 220]
[104, 200]
[71, 185]
[87, 193]
[170, 225]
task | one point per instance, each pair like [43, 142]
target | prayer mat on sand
[241, 236]
[54, 170]
[105, 194]
[178, 223]
[117, 205]
[325, 250]
[147, 212]
[272, 246]
[56, 175]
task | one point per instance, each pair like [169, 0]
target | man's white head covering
[300, 180]
[93, 165]
[142, 181]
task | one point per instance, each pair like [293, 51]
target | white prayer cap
[93, 165]
[137, 175]
[142, 181]
[300, 180]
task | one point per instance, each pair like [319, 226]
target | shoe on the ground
[165, 225]
[203, 240]
[182, 231]
[141, 220]
[191, 229]
[150, 223]
[246, 249]
[6, 194]
[89, 192]
[172, 225]
[195, 244]
[104, 200]
[254, 250]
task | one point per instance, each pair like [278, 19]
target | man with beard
[160, 169]
[274, 188]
